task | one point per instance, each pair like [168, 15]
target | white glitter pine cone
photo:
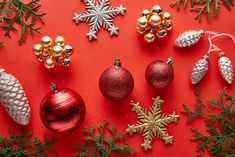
[13, 98]
[189, 38]
[199, 69]
[225, 68]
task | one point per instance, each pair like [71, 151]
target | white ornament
[189, 38]
[99, 14]
[199, 70]
[13, 98]
[225, 68]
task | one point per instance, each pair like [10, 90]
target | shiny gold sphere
[166, 16]
[149, 37]
[142, 22]
[145, 13]
[57, 51]
[65, 61]
[140, 30]
[49, 63]
[161, 33]
[39, 58]
[46, 41]
[168, 26]
[157, 9]
[68, 50]
[155, 20]
[37, 49]
[59, 40]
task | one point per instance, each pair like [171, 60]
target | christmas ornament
[53, 54]
[63, 110]
[152, 123]
[220, 124]
[116, 83]
[200, 68]
[160, 73]
[209, 8]
[154, 24]
[99, 14]
[13, 98]
[25, 15]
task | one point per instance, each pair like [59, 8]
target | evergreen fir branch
[21, 144]
[102, 146]
[210, 8]
[25, 15]
[220, 140]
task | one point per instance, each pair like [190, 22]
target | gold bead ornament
[53, 53]
[154, 24]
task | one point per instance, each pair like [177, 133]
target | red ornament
[116, 83]
[63, 110]
[160, 73]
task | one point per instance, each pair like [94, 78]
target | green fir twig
[103, 146]
[22, 144]
[210, 8]
[220, 141]
[16, 12]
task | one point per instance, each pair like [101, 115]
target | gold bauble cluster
[53, 53]
[154, 24]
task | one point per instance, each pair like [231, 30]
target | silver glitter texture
[99, 14]
[189, 38]
[225, 68]
[199, 70]
[13, 98]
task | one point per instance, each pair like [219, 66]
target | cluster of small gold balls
[53, 53]
[154, 24]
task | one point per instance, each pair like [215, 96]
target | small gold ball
[140, 30]
[59, 40]
[157, 9]
[65, 61]
[161, 33]
[149, 37]
[57, 50]
[49, 63]
[167, 16]
[46, 41]
[39, 58]
[168, 26]
[145, 13]
[155, 20]
[68, 50]
[142, 22]
[37, 49]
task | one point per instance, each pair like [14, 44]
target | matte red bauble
[63, 110]
[116, 83]
[160, 73]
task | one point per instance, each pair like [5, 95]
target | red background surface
[91, 58]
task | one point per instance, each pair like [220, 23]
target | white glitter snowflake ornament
[99, 14]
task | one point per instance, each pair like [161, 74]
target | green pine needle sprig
[16, 12]
[23, 144]
[220, 141]
[210, 8]
[103, 146]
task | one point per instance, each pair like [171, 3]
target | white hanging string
[212, 35]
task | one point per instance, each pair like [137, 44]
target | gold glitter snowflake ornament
[152, 123]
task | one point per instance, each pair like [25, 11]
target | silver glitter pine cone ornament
[189, 38]
[13, 98]
[225, 68]
[199, 69]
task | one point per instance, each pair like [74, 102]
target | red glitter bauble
[116, 83]
[63, 110]
[159, 73]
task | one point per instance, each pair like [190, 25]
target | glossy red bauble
[160, 73]
[63, 110]
[116, 83]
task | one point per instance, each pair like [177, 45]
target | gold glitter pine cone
[53, 53]
[154, 24]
